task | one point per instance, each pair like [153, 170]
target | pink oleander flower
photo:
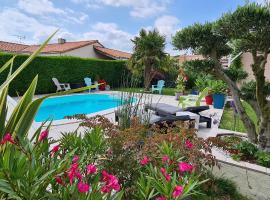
[73, 172]
[111, 182]
[163, 170]
[167, 177]
[91, 169]
[165, 159]
[7, 138]
[188, 144]
[75, 159]
[83, 187]
[185, 167]
[59, 180]
[161, 198]
[145, 161]
[165, 174]
[105, 189]
[43, 135]
[178, 190]
[55, 149]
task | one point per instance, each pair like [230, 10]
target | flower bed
[242, 150]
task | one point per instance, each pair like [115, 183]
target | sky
[113, 22]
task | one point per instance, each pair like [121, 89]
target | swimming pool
[56, 108]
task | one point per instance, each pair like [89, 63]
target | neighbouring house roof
[183, 58]
[12, 47]
[60, 48]
[112, 53]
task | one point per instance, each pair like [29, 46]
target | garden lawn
[165, 91]
[232, 121]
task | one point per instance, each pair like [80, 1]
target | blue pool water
[57, 108]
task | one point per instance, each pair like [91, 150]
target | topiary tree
[148, 55]
[249, 26]
[247, 29]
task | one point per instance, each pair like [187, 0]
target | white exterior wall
[83, 52]
[247, 61]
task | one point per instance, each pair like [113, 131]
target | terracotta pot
[209, 100]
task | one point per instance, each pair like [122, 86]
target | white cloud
[45, 9]
[110, 36]
[17, 23]
[167, 25]
[39, 7]
[139, 8]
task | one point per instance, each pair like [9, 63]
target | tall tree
[148, 54]
[248, 29]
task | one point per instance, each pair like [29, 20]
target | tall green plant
[148, 55]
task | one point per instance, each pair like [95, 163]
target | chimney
[61, 40]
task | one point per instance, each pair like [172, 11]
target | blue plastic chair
[158, 87]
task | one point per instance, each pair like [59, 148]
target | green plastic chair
[193, 100]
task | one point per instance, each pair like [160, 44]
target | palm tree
[148, 55]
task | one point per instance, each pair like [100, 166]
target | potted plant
[180, 84]
[218, 89]
[202, 83]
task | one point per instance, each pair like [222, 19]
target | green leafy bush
[65, 69]
[263, 158]
[203, 82]
[191, 69]
[247, 149]
[217, 86]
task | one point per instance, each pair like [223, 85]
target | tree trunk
[147, 78]
[264, 129]
[248, 123]
[258, 68]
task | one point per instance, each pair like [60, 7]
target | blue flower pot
[194, 92]
[219, 100]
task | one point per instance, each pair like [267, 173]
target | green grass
[165, 91]
[230, 121]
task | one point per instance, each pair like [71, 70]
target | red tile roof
[11, 47]
[183, 58]
[59, 48]
[65, 47]
[112, 53]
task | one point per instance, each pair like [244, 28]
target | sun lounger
[162, 109]
[155, 119]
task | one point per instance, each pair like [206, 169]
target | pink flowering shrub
[51, 171]
[81, 181]
[168, 177]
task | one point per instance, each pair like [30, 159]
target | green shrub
[263, 158]
[217, 86]
[247, 149]
[64, 68]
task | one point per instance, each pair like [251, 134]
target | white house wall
[84, 52]
[247, 61]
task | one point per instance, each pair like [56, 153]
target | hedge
[65, 68]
